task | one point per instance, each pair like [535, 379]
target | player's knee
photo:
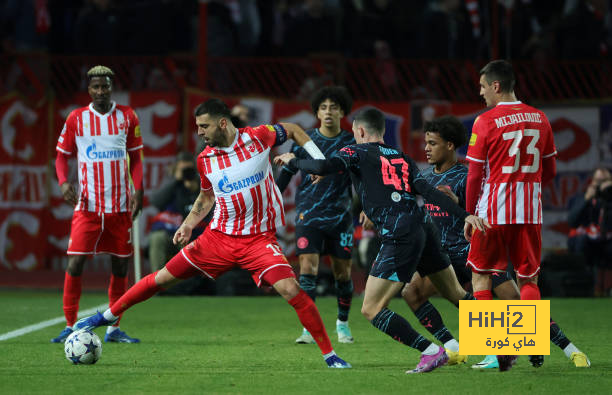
[411, 295]
[369, 311]
[75, 265]
[165, 279]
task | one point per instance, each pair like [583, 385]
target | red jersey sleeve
[477, 147]
[270, 135]
[66, 143]
[205, 184]
[548, 148]
[134, 138]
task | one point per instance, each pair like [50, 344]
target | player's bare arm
[297, 134]
[200, 209]
[365, 222]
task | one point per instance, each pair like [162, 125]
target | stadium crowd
[567, 29]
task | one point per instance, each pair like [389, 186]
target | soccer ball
[83, 347]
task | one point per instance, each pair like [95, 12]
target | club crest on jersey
[121, 126]
[226, 186]
[93, 153]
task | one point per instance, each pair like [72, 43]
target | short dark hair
[449, 128]
[338, 94]
[500, 70]
[372, 119]
[213, 107]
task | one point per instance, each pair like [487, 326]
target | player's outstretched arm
[297, 134]
[312, 166]
[200, 209]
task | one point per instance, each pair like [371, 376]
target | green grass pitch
[246, 345]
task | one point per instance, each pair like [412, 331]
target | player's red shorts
[214, 253]
[520, 243]
[93, 233]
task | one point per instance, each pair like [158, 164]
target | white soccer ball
[83, 347]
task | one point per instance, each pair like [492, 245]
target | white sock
[109, 316]
[329, 354]
[432, 349]
[452, 345]
[338, 322]
[570, 349]
[111, 329]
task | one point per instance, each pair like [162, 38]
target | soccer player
[324, 224]
[443, 136]
[102, 136]
[235, 174]
[511, 154]
[387, 182]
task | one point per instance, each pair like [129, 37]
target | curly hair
[449, 128]
[337, 94]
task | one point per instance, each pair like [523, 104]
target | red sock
[530, 291]
[116, 288]
[484, 295]
[311, 320]
[139, 292]
[72, 295]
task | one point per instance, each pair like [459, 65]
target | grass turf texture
[246, 345]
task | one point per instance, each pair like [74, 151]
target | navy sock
[399, 329]
[308, 282]
[430, 318]
[344, 292]
[557, 336]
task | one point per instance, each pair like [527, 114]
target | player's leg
[205, 255]
[309, 244]
[569, 349]
[378, 293]
[117, 287]
[263, 258]
[85, 230]
[341, 269]
[417, 294]
[393, 267]
[339, 245]
[71, 294]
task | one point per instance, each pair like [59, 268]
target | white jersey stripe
[501, 199]
[520, 202]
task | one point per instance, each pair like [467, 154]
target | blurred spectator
[309, 28]
[97, 28]
[25, 25]
[590, 220]
[446, 32]
[174, 201]
[582, 32]
[241, 115]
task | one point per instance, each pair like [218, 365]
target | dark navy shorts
[337, 242]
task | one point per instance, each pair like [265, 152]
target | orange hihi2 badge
[504, 327]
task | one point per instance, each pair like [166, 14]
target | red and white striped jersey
[511, 140]
[247, 199]
[101, 142]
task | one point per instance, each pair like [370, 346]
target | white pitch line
[44, 324]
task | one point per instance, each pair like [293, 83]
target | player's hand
[283, 159]
[316, 178]
[136, 203]
[448, 192]
[365, 221]
[69, 194]
[473, 222]
[182, 236]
